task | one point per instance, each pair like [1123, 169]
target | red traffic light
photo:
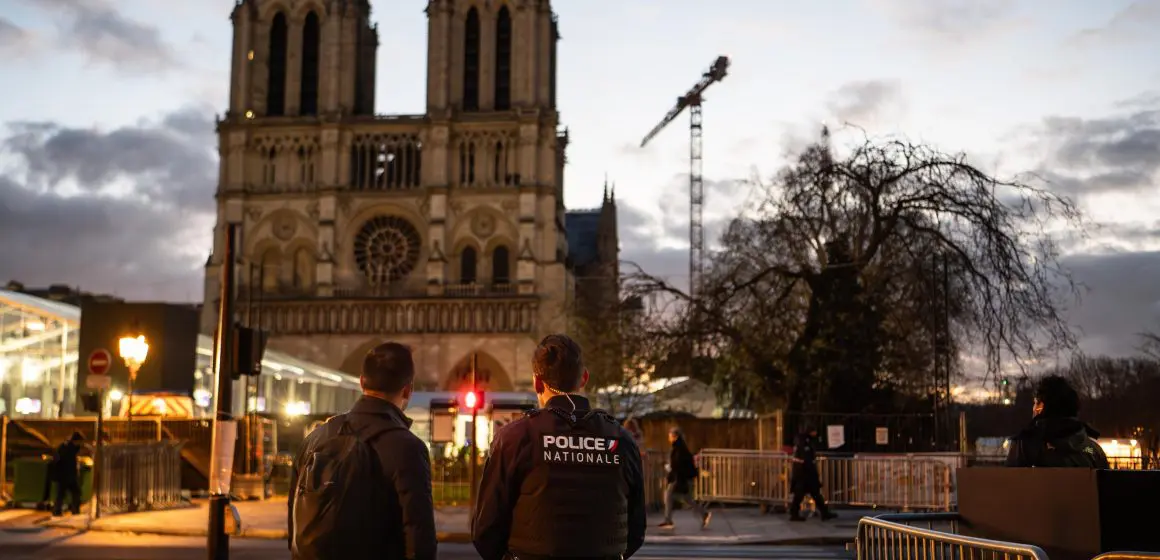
[472, 400]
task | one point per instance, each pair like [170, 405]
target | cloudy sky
[108, 158]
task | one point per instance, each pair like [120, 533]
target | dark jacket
[510, 461]
[682, 468]
[1056, 442]
[409, 525]
[804, 476]
[64, 463]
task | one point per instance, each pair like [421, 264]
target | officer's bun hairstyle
[388, 368]
[558, 363]
[1058, 397]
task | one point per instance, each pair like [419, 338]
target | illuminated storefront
[38, 369]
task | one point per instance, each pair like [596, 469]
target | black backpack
[338, 497]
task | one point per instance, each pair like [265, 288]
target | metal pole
[3, 455]
[218, 542]
[98, 469]
[63, 367]
[474, 433]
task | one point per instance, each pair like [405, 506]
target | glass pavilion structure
[39, 369]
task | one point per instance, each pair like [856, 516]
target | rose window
[386, 249]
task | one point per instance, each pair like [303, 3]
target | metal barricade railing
[893, 537]
[139, 476]
[1128, 556]
[751, 477]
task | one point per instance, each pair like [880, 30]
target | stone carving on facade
[510, 207]
[395, 317]
[284, 226]
[483, 225]
[387, 249]
[437, 254]
[458, 207]
[424, 205]
[254, 212]
[344, 202]
[313, 210]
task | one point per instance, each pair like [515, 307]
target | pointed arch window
[467, 266]
[503, 60]
[269, 270]
[471, 61]
[311, 43]
[303, 269]
[501, 266]
[276, 66]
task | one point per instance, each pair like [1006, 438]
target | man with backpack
[363, 481]
[1056, 438]
[63, 471]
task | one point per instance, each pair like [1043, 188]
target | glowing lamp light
[299, 408]
[116, 395]
[471, 400]
[134, 351]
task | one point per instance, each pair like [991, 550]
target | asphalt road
[42, 544]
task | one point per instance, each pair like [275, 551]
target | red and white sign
[100, 361]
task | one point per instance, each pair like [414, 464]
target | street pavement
[730, 526]
[42, 543]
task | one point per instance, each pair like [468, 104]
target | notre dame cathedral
[445, 231]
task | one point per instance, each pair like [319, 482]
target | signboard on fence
[836, 435]
[882, 436]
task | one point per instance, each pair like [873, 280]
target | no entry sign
[99, 361]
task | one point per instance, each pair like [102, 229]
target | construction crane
[692, 100]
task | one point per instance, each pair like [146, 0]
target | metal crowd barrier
[748, 477]
[892, 537]
[139, 476]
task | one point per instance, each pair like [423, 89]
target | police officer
[805, 478]
[564, 481]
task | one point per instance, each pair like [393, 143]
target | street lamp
[134, 350]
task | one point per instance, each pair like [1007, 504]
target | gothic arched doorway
[489, 374]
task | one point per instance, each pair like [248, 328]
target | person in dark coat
[805, 478]
[564, 481]
[682, 472]
[64, 473]
[1056, 437]
[408, 513]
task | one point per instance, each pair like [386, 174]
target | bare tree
[623, 349]
[823, 296]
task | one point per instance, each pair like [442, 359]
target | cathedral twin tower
[444, 230]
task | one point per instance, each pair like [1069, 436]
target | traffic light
[473, 400]
[1004, 381]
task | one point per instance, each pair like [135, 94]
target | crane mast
[692, 101]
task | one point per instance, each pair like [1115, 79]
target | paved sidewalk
[267, 520]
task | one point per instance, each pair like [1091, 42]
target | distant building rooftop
[582, 227]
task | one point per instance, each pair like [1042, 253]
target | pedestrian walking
[682, 471]
[64, 471]
[564, 481]
[805, 478]
[1056, 437]
[362, 482]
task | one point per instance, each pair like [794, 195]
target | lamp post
[133, 350]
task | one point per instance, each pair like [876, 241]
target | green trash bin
[31, 475]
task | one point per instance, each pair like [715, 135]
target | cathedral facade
[445, 231]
